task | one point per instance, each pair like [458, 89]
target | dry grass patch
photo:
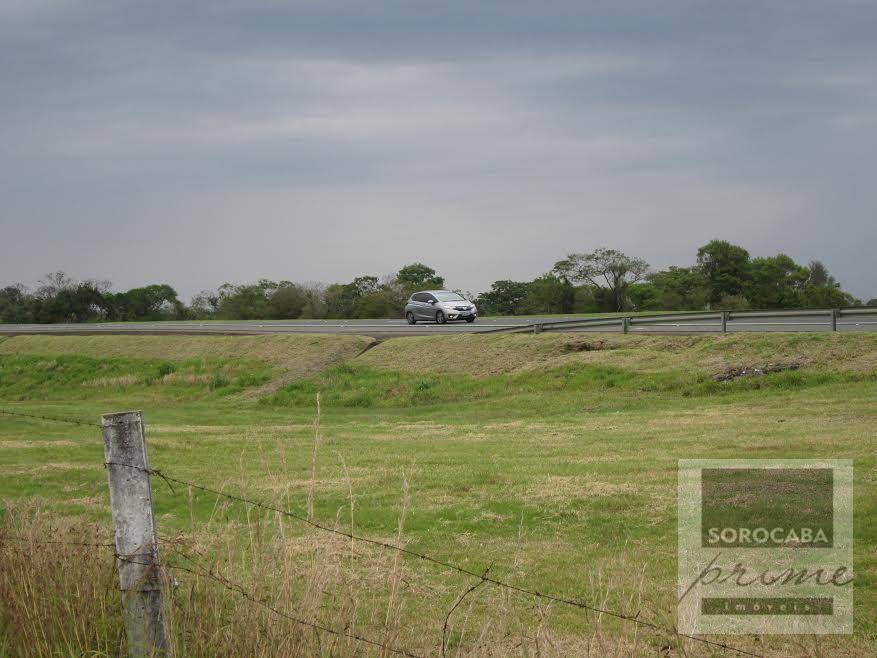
[112, 382]
[15, 444]
[157, 428]
[567, 488]
[88, 501]
[48, 468]
[191, 379]
[420, 430]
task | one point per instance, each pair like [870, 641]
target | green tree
[16, 305]
[364, 285]
[338, 302]
[245, 302]
[286, 302]
[315, 300]
[385, 302]
[679, 288]
[775, 282]
[725, 267]
[644, 297]
[605, 269]
[826, 297]
[418, 276]
[152, 302]
[549, 294]
[80, 302]
[822, 290]
[820, 276]
[585, 301]
[59, 298]
[504, 298]
[345, 300]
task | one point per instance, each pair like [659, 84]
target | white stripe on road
[734, 323]
[392, 327]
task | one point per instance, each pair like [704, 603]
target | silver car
[439, 306]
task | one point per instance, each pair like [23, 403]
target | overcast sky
[197, 143]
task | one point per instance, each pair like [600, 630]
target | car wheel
[471, 318]
[440, 317]
[410, 317]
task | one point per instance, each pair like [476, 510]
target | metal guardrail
[721, 318]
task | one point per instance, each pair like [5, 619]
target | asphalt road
[393, 328]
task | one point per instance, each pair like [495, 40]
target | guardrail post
[136, 545]
[625, 324]
[834, 314]
[537, 328]
[724, 322]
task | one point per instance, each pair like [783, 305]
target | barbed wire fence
[197, 569]
[210, 573]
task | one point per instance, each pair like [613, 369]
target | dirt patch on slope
[730, 374]
[581, 345]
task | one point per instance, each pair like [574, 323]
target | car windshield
[449, 297]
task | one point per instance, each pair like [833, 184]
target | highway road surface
[849, 321]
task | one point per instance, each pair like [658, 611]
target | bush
[287, 303]
[733, 303]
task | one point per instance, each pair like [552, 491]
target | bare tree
[53, 283]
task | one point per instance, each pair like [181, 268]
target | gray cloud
[318, 140]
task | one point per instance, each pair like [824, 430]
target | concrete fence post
[134, 526]
[834, 314]
[625, 324]
[724, 322]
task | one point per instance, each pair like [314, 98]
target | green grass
[364, 387]
[62, 377]
[551, 457]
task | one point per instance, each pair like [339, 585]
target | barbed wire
[56, 419]
[483, 577]
[50, 542]
[250, 596]
[214, 577]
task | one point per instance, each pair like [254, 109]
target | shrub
[733, 303]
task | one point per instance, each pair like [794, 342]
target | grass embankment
[214, 360]
[550, 457]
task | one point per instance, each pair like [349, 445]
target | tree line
[723, 276]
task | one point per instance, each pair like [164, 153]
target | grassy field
[549, 459]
